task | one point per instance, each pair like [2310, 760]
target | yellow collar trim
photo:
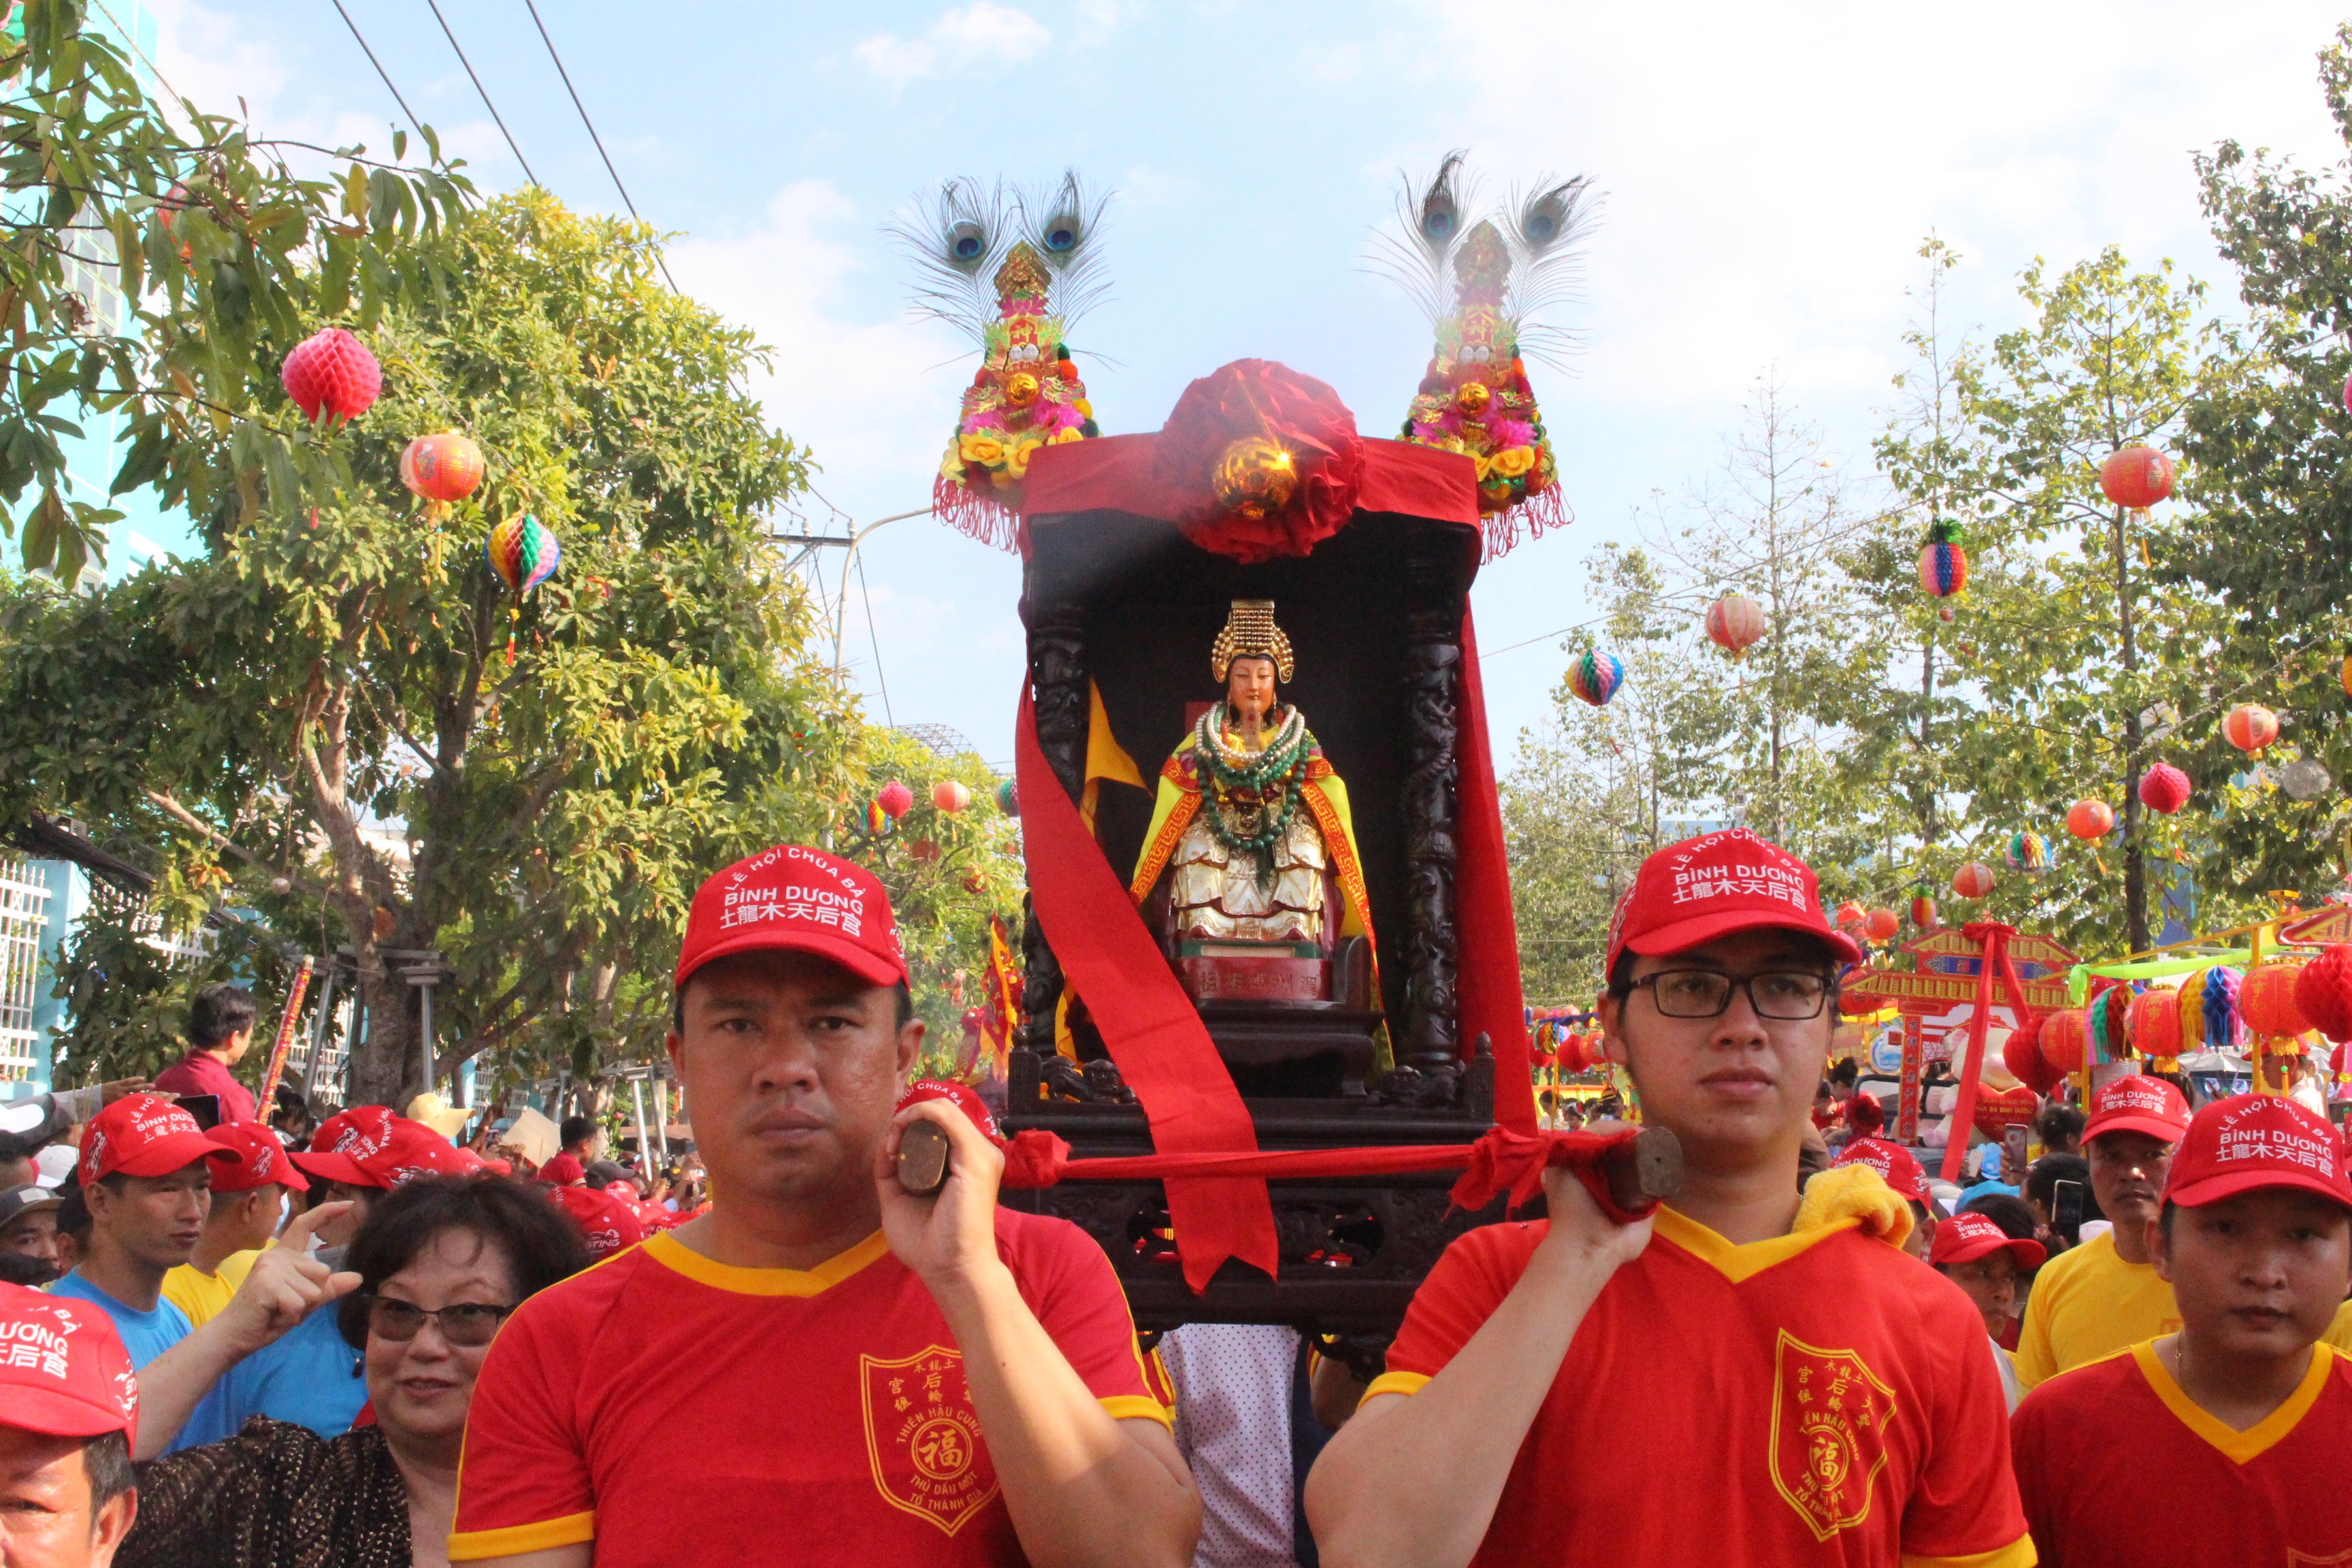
[675, 1255]
[2239, 1447]
[1744, 1260]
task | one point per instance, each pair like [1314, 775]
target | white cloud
[980, 35]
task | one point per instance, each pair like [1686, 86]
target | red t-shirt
[2118, 1466]
[676, 1410]
[199, 1072]
[1818, 1398]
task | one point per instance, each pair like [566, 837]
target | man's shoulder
[188, 1070]
[574, 1308]
[2075, 1264]
[1041, 1243]
[2071, 1395]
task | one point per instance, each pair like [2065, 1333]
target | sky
[1769, 173]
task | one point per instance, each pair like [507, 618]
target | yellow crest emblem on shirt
[922, 1438]
[1829, 1432]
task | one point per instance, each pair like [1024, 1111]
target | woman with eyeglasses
[442, 1260]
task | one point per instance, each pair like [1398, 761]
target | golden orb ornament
[1255, 477]
[1021, 389]
[1472, 397]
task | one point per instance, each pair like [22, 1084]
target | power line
[874, 637]
[659, 261]
[380, 71]
[478, 88]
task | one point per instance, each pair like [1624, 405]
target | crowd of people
[377, 1346]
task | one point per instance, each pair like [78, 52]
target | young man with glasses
[1735, 1380]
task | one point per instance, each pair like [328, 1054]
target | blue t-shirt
[147, 1335]
[310, 1377]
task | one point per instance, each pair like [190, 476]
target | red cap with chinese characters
[2254, 1140]
[1711, 887]
[145, 1135]
[2138, 1103]
[1892, 1161]
[606, 1223]
[63, 1370]
[264, 1156]
[1965, 1238]
[796, 900]
[343, 1141]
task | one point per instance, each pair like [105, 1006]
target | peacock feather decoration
[1484, 282]
[1013, 270]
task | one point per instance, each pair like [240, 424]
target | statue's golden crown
[1250, 633]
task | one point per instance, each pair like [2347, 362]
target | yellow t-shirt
[2339, 1332]
[202, 1296]
[2088, 1303]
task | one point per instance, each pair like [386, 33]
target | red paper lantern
[2322, 992]
[1848, 914]
[2136, 478]
[950, 796]
[2154, 1024]
[1734, 622]
[2266, 1000]
[2088, 819]
[1973, 880]
[443, 467]
[1880, 925]
[2249, 726]
[2065, 1035]
[332, 372]
[894, 799]
[2164, 788]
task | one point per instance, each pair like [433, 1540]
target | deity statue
[1252, 829]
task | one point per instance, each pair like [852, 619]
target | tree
[2266, 434]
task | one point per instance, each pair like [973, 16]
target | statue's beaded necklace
[1274, 776]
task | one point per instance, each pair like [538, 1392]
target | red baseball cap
[416, 1150]
[607, 1224]
[63, 1370]
[1897, 1164]
[793, 899]
[1710, 886]
[345, 1139]
[145, 1135]
[1965, 1238]
[2254, 1140]
[2138, 1103]
[264, 1156]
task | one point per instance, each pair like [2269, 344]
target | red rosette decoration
[1259, 461]
[2021, 1055]
[2164, 788]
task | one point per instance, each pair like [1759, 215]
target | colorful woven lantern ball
[2088, 819]
[1595, 677]
[523, 551]
[1943, 563]
[2027, 853]
[2065, 1036]
[2322, 992]
[2267, 1001]
[332, 372]
[2164, 789]
[875, 821]
[442, 467]
[894, 799]
[1973, 880]
[2249, 726]
[1923, 911]
[1880, 925]
[950, 796]
[1733, 623]
[1008, 799]
[2136, 478]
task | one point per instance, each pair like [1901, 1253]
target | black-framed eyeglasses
[468, 1324]
[1785, 995]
